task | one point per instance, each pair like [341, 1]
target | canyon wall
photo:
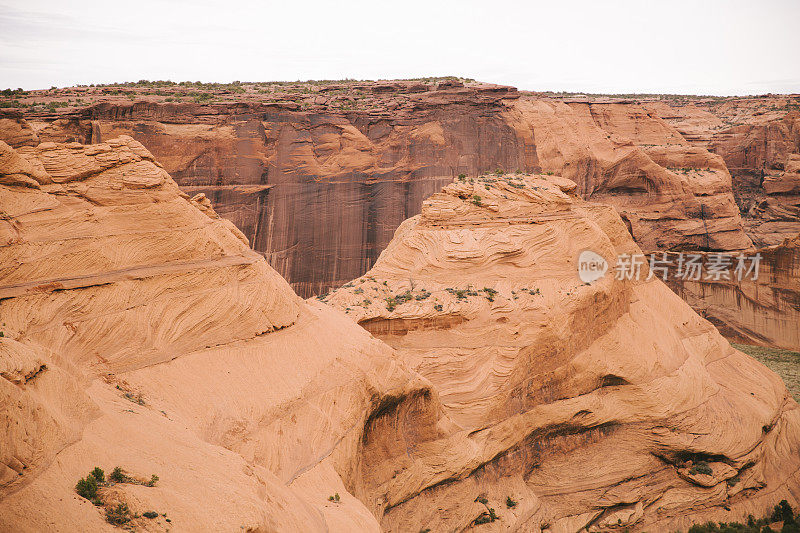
[759, 139]
[141, 331]
[318, 177]
[763, 311]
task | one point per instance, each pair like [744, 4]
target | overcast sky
[701, 46]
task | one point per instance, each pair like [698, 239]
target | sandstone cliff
[319, 176]
[763, 311]
[140, 330]
[601, 405]
[759, 139]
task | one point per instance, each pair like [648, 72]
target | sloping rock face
[140, 330]
[319, 177]
[763, 311]
[602, 405]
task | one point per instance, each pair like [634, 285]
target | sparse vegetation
[487, 516]
[476, 200]
[782, 512]
[510, 503]
[117, 475]
[150, 514]
[118, 515]
[98, 474]
[135, 397]
[87, 487]
[334, 498]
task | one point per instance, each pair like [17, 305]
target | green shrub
[783, 512]
[701, 467]
[510, 503]
[87, 487]
[476, 200]
[490, 293]
[153, 481]
[483, 519]
[98, 475]
[487, 517]
[118, 515]
[150, 514]
[118, 475]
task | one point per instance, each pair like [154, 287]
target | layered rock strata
[140, 330]
[603, 405]
[319, 176]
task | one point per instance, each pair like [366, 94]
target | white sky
[702, 46]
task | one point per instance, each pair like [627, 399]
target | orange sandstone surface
[141, 330]
[318, 175]
[588, 403]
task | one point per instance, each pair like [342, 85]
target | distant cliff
[318, 176]
[764, 311]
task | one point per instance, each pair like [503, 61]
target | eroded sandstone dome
[591, 404]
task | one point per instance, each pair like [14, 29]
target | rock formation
[759, 139]
[140, 330]
[318, 177]
[602, 405]
[763, 311]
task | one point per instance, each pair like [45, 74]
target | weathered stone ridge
[141, 331]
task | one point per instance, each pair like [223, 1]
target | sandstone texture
[763, 311]
[319, 175]
[141, 331]
[759, 139]
[590, 404]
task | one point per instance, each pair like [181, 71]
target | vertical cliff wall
[759, 139]
[764, 311]
[319, 183]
